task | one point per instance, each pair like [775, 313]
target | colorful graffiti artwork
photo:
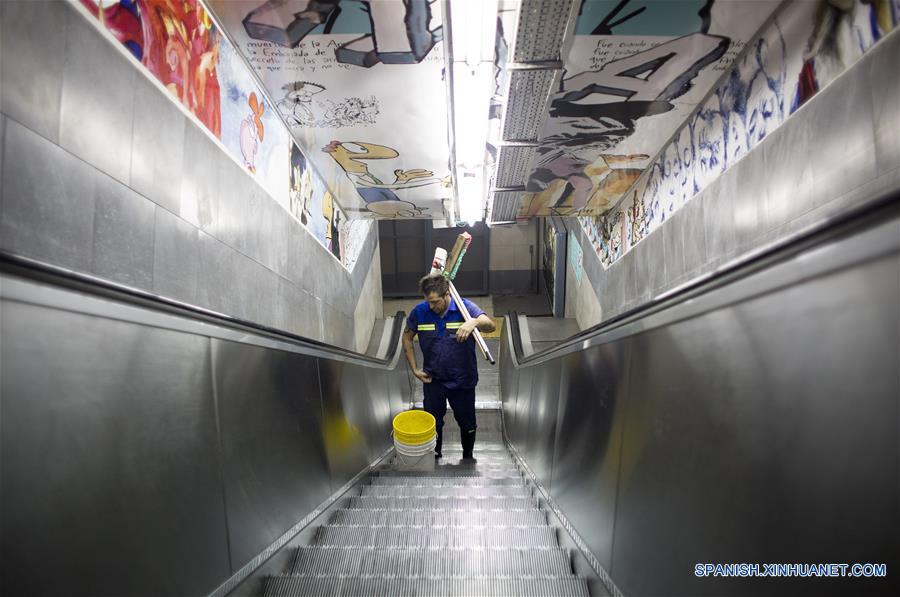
[336, 70]
[635, 70]
[179, 45]
[177, 42]
[381, 197]
[806, 45]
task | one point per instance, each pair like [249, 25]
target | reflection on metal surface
[188, 446]
[732, 423]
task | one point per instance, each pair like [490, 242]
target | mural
[251, 129]
[175, 41]
[806, 46]
[636, 69]
[340, 71]
[179, 44]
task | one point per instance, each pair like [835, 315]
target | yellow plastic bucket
[414, 427]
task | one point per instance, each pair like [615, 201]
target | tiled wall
[88, 184]
[840, 148]
[512, 259]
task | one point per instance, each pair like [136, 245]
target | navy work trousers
[461, 401]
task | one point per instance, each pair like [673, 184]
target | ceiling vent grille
[542, 27]
[527, 103]
[505, 206]
[514, 165]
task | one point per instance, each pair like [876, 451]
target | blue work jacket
[449, 362]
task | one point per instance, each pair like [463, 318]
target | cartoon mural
[381, 197]
[635, 70]
[805, 46]
[397, 32]
[175, 41]
[178, 43]
[341, 69]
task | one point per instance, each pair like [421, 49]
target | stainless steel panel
[216, 275]
[157, 150]
[110, 476]
[695, 254]
[884, 83]
[718, 220]
[592, 393]
[276, 228]
[517, 422]
[87, 127]
[123, 234]
[744, 182]
[540, 435]
[673, 247]
[231, 205]
[789, 172]
[843, 136]
[33, 64]
[357, 418]
[48, 213]
[766, 432]
[176, 257]
[509, 377]
[273, 455]
[200, 184]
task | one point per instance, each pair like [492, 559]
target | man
[450, 369]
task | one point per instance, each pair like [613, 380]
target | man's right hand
[423, 377]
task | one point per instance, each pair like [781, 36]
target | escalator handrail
[869, 213]
[35, 269]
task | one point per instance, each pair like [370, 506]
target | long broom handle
[479, 339]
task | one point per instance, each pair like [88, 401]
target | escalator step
[444, 471]
[534, 537]
[454, 518]
[405, 562]
[499, 492]
[480, 445]
[327, 586]
[442, 503]
[447, 481]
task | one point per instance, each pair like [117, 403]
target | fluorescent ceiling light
[473, 26]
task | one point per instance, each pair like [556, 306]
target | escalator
[152, 448]
[464, 529]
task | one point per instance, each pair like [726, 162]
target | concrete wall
[514, 250]
[102, 172]
[840, 148]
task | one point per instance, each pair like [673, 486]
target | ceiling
[586, 93]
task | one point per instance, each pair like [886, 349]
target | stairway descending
[464, 529]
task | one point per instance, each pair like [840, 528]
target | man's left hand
[465, 330]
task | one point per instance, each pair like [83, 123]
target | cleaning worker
[449, 372]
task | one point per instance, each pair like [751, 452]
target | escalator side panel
[592, 393]
[357, 417]
[767, 432]
[273, 454]
[110, 474]
[540, 426]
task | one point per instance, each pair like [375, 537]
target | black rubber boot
[439, 444]
[468, 443]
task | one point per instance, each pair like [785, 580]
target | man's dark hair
[437, 284]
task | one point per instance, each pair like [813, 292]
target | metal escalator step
[439, 503]
[454, 472]
[534, 537]
[454, 518]
[502, 491]
[532, 586]
[454, 481]
[481, 445]
[466, 562]
[490, 454]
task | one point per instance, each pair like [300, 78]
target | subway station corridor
[680, 219]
